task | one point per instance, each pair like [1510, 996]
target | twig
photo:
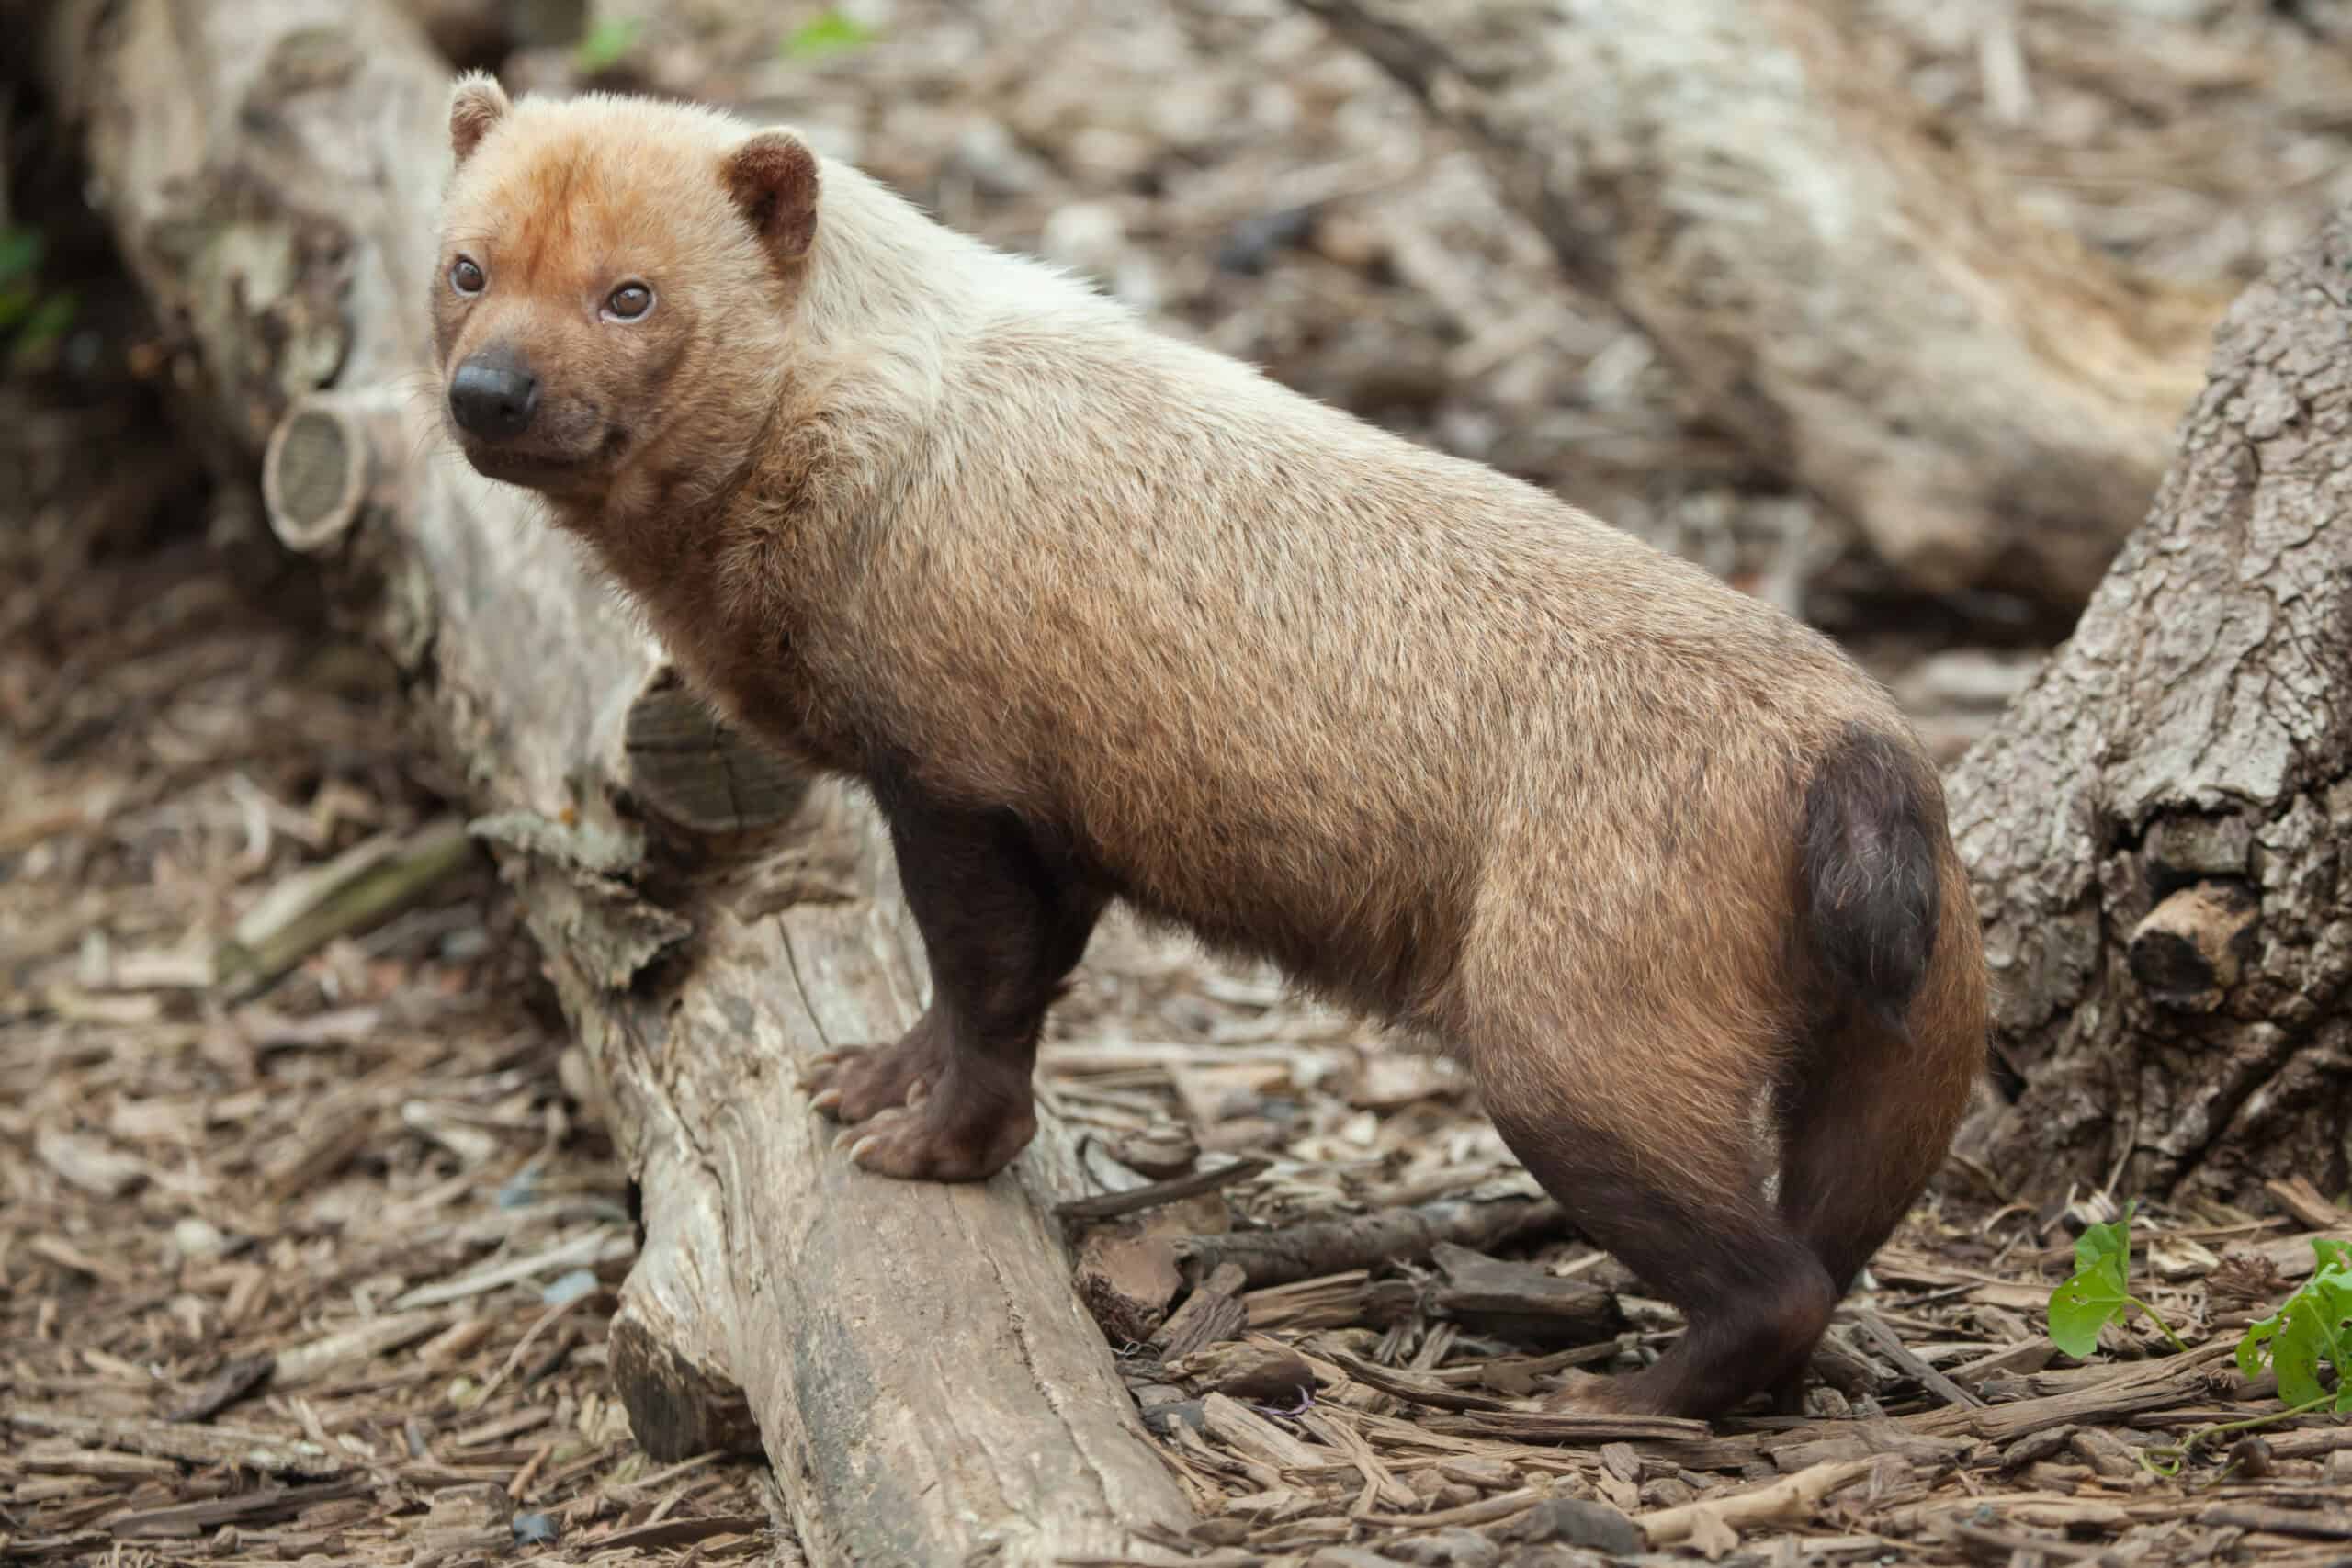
[2311, 1524]
[264, 1451]
[1334, 1246]
[530, 1337]
[1110, 1205]
[1414, 1389]
[590, 1247]
[1796, 1496]
[2156, 1457]
[1887, 1341]
[2013, 1546]
[350, 893]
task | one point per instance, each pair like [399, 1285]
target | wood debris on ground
[1389, 1411]
[311, 1271]
[305, 1254]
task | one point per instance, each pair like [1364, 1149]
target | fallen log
[912, 1357]
[1989, 402]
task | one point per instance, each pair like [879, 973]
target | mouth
[535, 470]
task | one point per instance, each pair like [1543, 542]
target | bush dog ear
[476, 104]
[772, 177]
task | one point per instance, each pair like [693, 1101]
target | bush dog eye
[1099, 615]
[628, 302]
[465, 277]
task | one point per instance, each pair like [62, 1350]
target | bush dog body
[1096, 614]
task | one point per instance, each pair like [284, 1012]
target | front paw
[858, 1083]
[944, 1137]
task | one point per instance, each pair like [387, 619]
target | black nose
[491, 399]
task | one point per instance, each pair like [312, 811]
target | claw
[826, 1099]
[917, 1092]
[858, 1150]
[1581, 1392]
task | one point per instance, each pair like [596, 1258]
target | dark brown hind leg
[1866, 1115]
[1842, 1191]
[1864, 1124]
[1866, 1118]
[1677, 1198]
[1003, 921]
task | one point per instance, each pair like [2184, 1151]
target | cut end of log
[2188, 952]
[701, 776]
[321, 464]
[676, 1409]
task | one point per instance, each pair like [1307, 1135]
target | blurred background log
[1987, 401]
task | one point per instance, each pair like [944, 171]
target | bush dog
[1096, 614]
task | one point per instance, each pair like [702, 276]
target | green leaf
[606, 44]
[2299, 1348]
[2313, 1327]
[828, 34]
[20, 252]
[2109, 1241]
[2095, 1294]
[2085, 1303]
[48, 320]
[2330, 1291]
[2255, 1343]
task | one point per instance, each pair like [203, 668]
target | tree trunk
[2156, 827]
[912, 1357]
[1987, 401]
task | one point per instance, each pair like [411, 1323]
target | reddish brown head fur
[618, 297]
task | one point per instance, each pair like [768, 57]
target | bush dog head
[589, 307]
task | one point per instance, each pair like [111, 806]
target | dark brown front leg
[1003, 923]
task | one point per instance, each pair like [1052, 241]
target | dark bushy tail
[1898, 1037]
[1869, 859]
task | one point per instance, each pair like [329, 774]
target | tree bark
[1989, 403]
[911, 1357]
[2156, 827]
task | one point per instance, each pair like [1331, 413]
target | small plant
[606, 45]
[2313, 1326]
[20, 253]
[2099, 1291]
[33, 321]
[829, 34]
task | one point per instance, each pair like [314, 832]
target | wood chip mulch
[312, 1270]
[306, 1255]
[309, 1260]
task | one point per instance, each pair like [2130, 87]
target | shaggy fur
[1099, 615]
